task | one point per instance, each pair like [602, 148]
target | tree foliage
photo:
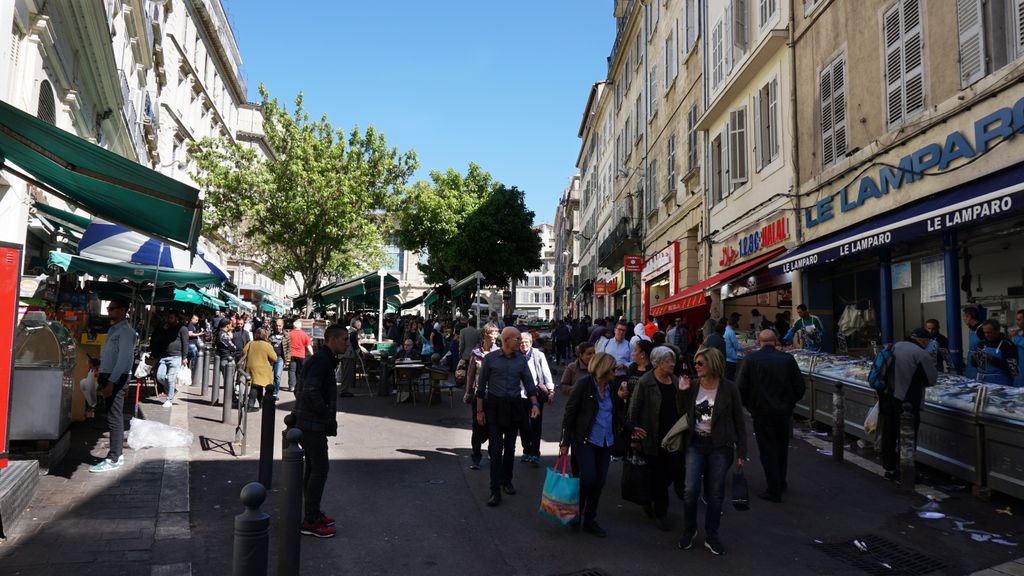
[470, 223]
[321, 207]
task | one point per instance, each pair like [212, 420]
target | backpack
[880, 378]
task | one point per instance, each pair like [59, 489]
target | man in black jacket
[771, 384]
[173, 348]
[316, 414]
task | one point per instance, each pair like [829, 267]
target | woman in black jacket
[717, 437]
[591, 423]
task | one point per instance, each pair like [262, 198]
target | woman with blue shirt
[591, 423]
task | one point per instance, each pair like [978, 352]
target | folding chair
[439, 384]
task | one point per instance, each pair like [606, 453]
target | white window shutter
[913, 57]
[756, 129]
[729, 28]
[726, 174]
[828, 155]
[773, 118]
[893, 41]
[737, 148]
[839, 106]
[1018, 28]
[739, 15]
[969, 27]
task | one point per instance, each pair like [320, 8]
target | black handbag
[637, 478]
[740, 491]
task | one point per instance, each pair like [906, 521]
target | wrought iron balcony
[622, 240]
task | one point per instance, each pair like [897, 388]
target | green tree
[320, 207]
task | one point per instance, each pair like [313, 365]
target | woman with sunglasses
[717, 437]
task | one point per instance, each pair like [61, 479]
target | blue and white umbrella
[112, 243]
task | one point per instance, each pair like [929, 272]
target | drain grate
[880, 557]
[586, 572]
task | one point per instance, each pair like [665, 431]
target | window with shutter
[969, 27]
[46, 108]
[717, 58]
[766, 10]
[670, 163]
[639, 110]
[726, 178]
[1018, 28]
[690, 25]
[652, 94]
[715, 172]
[913, 57]
[758, 132]
[739, 32]
[737, 148]
[691, 138]
[893, 38]
[904, 61]
[833, 111]
[652, 187]
[773, 120]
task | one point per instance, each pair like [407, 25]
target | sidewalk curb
[1014, 568]
[173, 515]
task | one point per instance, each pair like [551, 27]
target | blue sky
[501, 83]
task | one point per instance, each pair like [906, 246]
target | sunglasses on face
[699, 363]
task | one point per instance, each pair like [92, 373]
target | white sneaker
[167, 404]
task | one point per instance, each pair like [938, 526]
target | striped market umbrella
[112, 243]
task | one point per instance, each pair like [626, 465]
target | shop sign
[600, 288]
[672, 305]
[633, 263]
[768, 235]
[613, 285]
[1000, 125]
[617, 282]
[661, 262]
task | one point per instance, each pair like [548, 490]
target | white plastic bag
[88, 385]
[143, 369]
[184, 377]
[871, 422]
[150, 434]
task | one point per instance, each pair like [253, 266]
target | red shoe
[326, 520]
[317, 529]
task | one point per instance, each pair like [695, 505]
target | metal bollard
[267, 416]
[291, 508]
[838, 423]
[204, 370]
[252, 533]
[195, 365]
[229, 391]
[215, 383]
[384, 384]
[908, 445]
[289, 423]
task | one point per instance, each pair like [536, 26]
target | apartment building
[566, 229]
[535, 296]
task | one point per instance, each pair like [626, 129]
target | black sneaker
[712, 544]
[595, 529]
[474, 465]
[686, 542]
[494, 500]
[508, 489]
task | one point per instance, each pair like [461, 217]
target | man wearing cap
[913, 369]
[116, 359]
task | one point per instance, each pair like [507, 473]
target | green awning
[367, 287]
[236, 302]
[71, 221]
[211, 301]
[268, 307]
[131, 272]
[414, 302]
[175, 295]
[105, 184]
[467, 283]
[430, 299]
[299, 303]
[110, 290]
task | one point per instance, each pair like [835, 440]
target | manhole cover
[880, 556]
[587, 572]
[453, 421]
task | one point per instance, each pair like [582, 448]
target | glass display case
[844, 368]
[44, 358]
[955, 392]
[1004, 402]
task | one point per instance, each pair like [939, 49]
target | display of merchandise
[1004, 401]
[954, 392]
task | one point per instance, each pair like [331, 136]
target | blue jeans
[278, 370]
[703, 459]
[593, 462]
[167, 373]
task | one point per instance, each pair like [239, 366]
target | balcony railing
[621, 241]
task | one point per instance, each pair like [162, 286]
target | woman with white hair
[541, 373]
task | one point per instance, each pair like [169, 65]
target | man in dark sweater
[316, 414]
[771, 384]
[174, 344]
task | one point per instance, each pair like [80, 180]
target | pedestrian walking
[770, 383]
[316, 414]
[469, 339]
[279, 342]
[541, 373]
[259, 362]
[620, 349]
[562, 337]
[640, 366]
[733, 348]
[116, 359]
[488, 344]
[174, 348]
[913, 370]
[717, 437]
[590, 425]
[503, 374]
[654, 408]
[577, 370]
[716, 338]
[195, 332]
[300, 347]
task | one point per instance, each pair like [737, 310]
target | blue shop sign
[994, 196]
[934, 158]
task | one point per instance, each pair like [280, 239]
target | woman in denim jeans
[717, 437]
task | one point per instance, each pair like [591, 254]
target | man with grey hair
[771, 384]
[504, 374]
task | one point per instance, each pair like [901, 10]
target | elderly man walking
[771, 384]
[504, 374]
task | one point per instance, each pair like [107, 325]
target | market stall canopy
[131, 272]
[236, 302]
[100, 181]
[72, 222]
[367, 286]
[430, 298]
[469, 282]
[414, 302]
[694, 295]
[104, 241]
[211, 301]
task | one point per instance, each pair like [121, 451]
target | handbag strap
[563, 462]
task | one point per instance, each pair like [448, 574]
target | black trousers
[772, 433]
[889, 410]
[504, 420]
[532, 430]
[295, 373]
[115, 415]
[317, 464]
[479, 436]
[667, 468]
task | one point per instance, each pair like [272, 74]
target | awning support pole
[380, 314]
[951, 260]
[478, 302]
[885, 295]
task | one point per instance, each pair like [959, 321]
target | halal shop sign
[768, 235]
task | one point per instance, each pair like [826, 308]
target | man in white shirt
[116, 360]
[620, 349]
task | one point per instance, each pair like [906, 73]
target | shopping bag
[740, 491]
[561, 499]
[871, 422]
[637, 478]
[184, 377]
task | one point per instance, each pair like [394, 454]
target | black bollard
[838, 423]
[229, 391]
[291, 507]
[252, 533]
[289, 423]
[195, 365]
[204, 370]
[908, 445]
[215, 383]
[267, 416]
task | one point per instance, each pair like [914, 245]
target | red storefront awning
[693, 296]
